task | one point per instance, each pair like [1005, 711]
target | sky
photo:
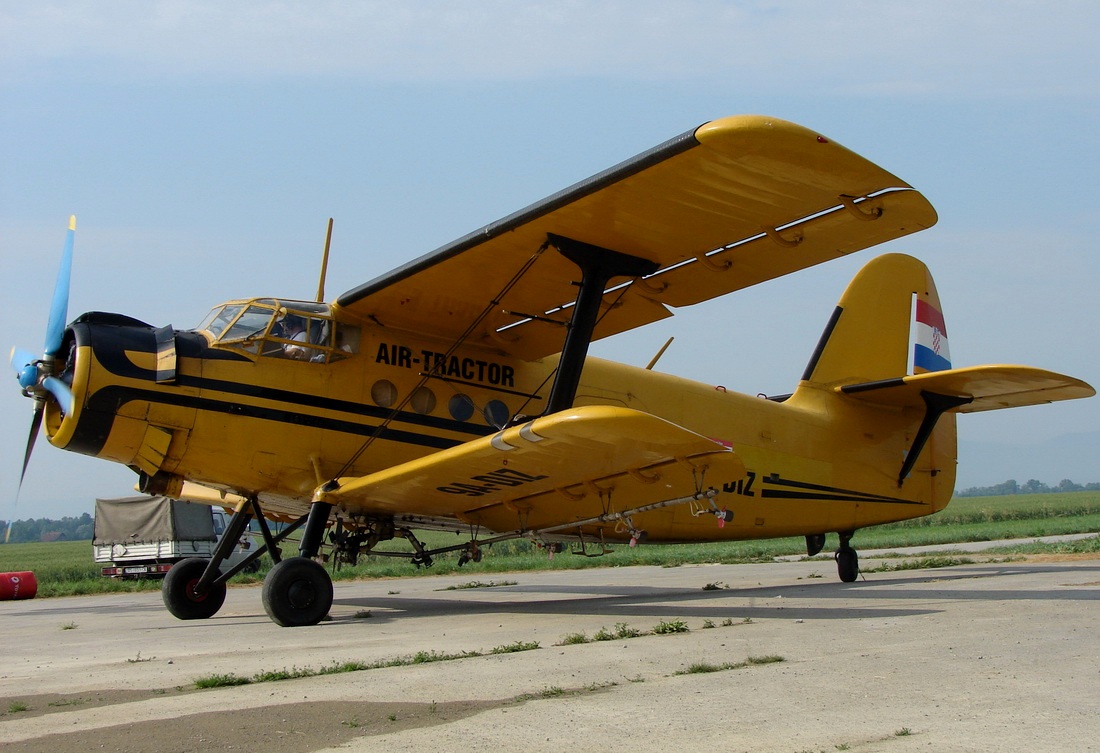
[204, 145]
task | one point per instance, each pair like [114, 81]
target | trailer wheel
[180, 597]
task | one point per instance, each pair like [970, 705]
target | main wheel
[178, 591]
[847, 564]
[297, 592]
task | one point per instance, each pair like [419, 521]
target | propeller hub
[28, 376]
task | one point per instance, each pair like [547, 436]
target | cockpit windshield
[298, 330]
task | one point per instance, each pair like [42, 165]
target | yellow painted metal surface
[988, 387]
[579, 451]
[745, 176]
[415, 421]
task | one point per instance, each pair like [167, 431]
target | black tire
[297, 592]
[178, 591]
[847, 564]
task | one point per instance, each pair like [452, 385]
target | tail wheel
[847, 564]
[180, 596]
[297, 592]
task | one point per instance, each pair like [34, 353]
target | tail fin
[864, 355]
[867, 338]
[864, 352]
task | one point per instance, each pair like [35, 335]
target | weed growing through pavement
[226, 680]
[667, 627]
[512, 648]
[624, 631]
[68, 702]
[922, 563]
[705, 667]
[479, 584]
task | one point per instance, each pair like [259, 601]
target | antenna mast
[324, 264]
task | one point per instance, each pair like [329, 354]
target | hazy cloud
[875, 48]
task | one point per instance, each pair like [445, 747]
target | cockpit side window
[297, 331]
[220, 318]
[252, 323]
[304, 337]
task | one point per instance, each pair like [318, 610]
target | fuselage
[235, 413]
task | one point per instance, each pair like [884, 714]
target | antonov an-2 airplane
[455, 392]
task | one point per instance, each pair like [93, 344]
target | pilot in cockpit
[294, 329]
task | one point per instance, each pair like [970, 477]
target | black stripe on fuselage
[333, 404]
[114, 360]
[106, 402]
[806, 490]
[109, 346]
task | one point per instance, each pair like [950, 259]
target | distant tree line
[1031, 487]
[83, 528]
[44, 529]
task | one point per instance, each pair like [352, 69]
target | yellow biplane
[455, 393]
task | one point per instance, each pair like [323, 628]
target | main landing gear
[297, 591]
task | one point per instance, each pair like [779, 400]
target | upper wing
[551, 471]
[729, 204]
[986, 387]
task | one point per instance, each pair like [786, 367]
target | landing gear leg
[298, 590]
[847, 561]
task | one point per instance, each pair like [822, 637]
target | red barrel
[18, 585]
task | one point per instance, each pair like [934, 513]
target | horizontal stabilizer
[570, 449]
[982, 387]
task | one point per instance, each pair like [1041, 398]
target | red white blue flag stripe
[930, 353]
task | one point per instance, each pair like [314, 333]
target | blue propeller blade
[23, 363]
[28, 368]
[21, 358]
[59, 306]
[61, 393]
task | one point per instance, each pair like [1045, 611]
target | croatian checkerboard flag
[930, 352]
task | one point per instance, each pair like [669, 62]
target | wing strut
[598, 265]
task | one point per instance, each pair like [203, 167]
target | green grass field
[66, 568]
